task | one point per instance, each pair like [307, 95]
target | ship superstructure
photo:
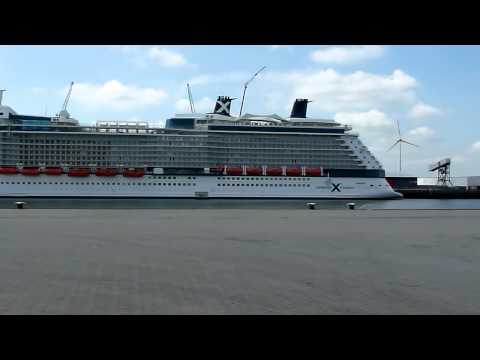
[194, 155]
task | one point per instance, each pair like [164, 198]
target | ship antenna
[246, 85]
[1, 95]
[190, 98]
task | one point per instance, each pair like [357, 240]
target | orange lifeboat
[79, 172]
[254, 171]
[217, 170]
[234, 171]
[274, 171]
[30, 171]
[8, 170]
[106, 172]
[132, 172]
[53, 171]
[294, 171]
[313, 172]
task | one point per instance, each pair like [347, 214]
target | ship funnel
[299, 109]
[222, 106]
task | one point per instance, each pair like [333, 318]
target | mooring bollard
[311, 206]
[351, 206]
[20, 204]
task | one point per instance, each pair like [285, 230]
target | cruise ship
[195, 155]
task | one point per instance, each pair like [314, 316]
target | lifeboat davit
[131, 172]
[79, 172]
[313, 172]
[30, 171]
[106, 172]
[8, 170]
[294, 171]
[234, 171]
[254, 171]
[53, 171]
[274, 171]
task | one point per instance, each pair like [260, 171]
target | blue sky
[431, 90]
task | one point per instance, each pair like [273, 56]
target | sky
[432, 91]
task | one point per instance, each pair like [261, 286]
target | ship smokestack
[299, 109]
[222, 106]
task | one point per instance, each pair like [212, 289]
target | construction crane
[246, 85]
[64, 113]
[190, 99]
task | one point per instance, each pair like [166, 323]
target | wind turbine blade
[409, 143]
[391, 147]
[398, 128]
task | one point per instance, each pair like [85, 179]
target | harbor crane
[246, 85]
[443, 169]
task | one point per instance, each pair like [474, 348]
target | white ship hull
[164, 186]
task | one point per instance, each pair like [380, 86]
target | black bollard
[351, 206]
[20, 204]
[311, 206]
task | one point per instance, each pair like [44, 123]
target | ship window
[23, 182]
[169, 184]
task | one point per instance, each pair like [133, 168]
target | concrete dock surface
[255, 261]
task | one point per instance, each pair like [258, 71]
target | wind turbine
[399, 142]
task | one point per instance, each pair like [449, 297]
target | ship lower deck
[163, 186]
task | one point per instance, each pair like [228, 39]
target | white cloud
[421, 110]
[205, 104]
[369, 119]
[358, 91]
[475, 147]
[166, 57]
[422, 132]
[116, 95]
[347, 54]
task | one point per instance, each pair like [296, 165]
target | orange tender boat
[134, 172]
[106, 172]
[294, 171]
[79, 172]
[30, 171]
[254, 171]
[274, 171]
[313, 172]
[234, 171]
[8, 170]
[53, 171]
